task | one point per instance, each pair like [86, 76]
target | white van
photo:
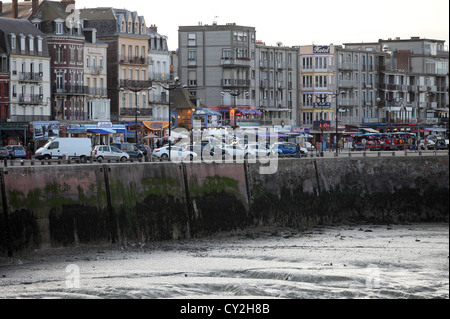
[65, 147]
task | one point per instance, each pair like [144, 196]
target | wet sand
[339, 262]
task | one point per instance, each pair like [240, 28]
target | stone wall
[65, 205]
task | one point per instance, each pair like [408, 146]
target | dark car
[130, 149]
[143, 148]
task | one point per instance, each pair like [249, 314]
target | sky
[294, 22]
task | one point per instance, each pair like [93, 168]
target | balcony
[31, 99]
[135, 84]
[348, 66]
[30, 77]
[132, 112]
[72, 90]
[233, 63]
[229, 83]
[134, 60]
[97, 91]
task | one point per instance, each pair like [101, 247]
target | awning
[436, 129]
[123, 131]
[156, 126]
[102, 131]
[370, 130]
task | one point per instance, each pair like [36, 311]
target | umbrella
[150, 136]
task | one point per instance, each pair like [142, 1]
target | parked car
[71, 147]
[309, 146]
[235, 151]
[258, 150]
[145, 149]
[16, 151]
[176, 152]
[303, 150]
[4, 153]
[105, 152]
[200, 149]
[129, 148]
[284, 149]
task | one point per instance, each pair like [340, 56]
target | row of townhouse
[79, 66]
[389, 81]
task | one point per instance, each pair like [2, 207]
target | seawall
[65, 205]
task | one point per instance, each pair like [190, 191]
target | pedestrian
[297, 149]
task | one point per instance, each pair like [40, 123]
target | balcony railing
[235, 83]
[72, 89]
[134, 60]
[238, 62]
[132, 111]
[97, 91]
[30, 77]
[31, 99]
[135, 84]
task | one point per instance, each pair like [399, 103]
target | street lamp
[336, 96]
[136, 90]
[396, 101]
[321, 104]
[235, 94]
[172, 86]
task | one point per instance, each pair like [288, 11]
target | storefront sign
[45, 130]
[321, 49]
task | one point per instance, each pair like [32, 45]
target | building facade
[276, 84]
[27, 61]
[125, 32]
[216, 63]
[160, 73]
[95, 73]
[411, 80]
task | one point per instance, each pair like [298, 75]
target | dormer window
[22, 42]
[39, 44]
[59, 24]
[31, 43]
[13, 41]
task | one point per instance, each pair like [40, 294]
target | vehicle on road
[289, 149]
[105, 152]
[16, 151]
[176, 152]
[258, 150]
[201, 149]
[71, 148]
[129, 148]
[4, 153]
[145, 149]
[235, 151]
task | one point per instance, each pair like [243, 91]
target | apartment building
[125, 32]
[216, 64]
[317, 85]
[276, 74]
[160, 73]
[412, 80]
[25, 58]
[95, 77]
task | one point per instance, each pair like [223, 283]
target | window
[88, 65]
[31, 44]
[59, 54]
[144, 100]
[192, 39]
[72, 54]
[59, 28]
[13, 42]
[192, 57]
[39, 44]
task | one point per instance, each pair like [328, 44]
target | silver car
[4, 153]
[106, 152]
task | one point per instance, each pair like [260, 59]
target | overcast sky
[297, 22]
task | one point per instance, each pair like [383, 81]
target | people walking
[297, 150]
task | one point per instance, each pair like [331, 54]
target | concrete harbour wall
[65, 205]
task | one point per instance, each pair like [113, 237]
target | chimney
[34, 7]
[15, 9]
[66, 3]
